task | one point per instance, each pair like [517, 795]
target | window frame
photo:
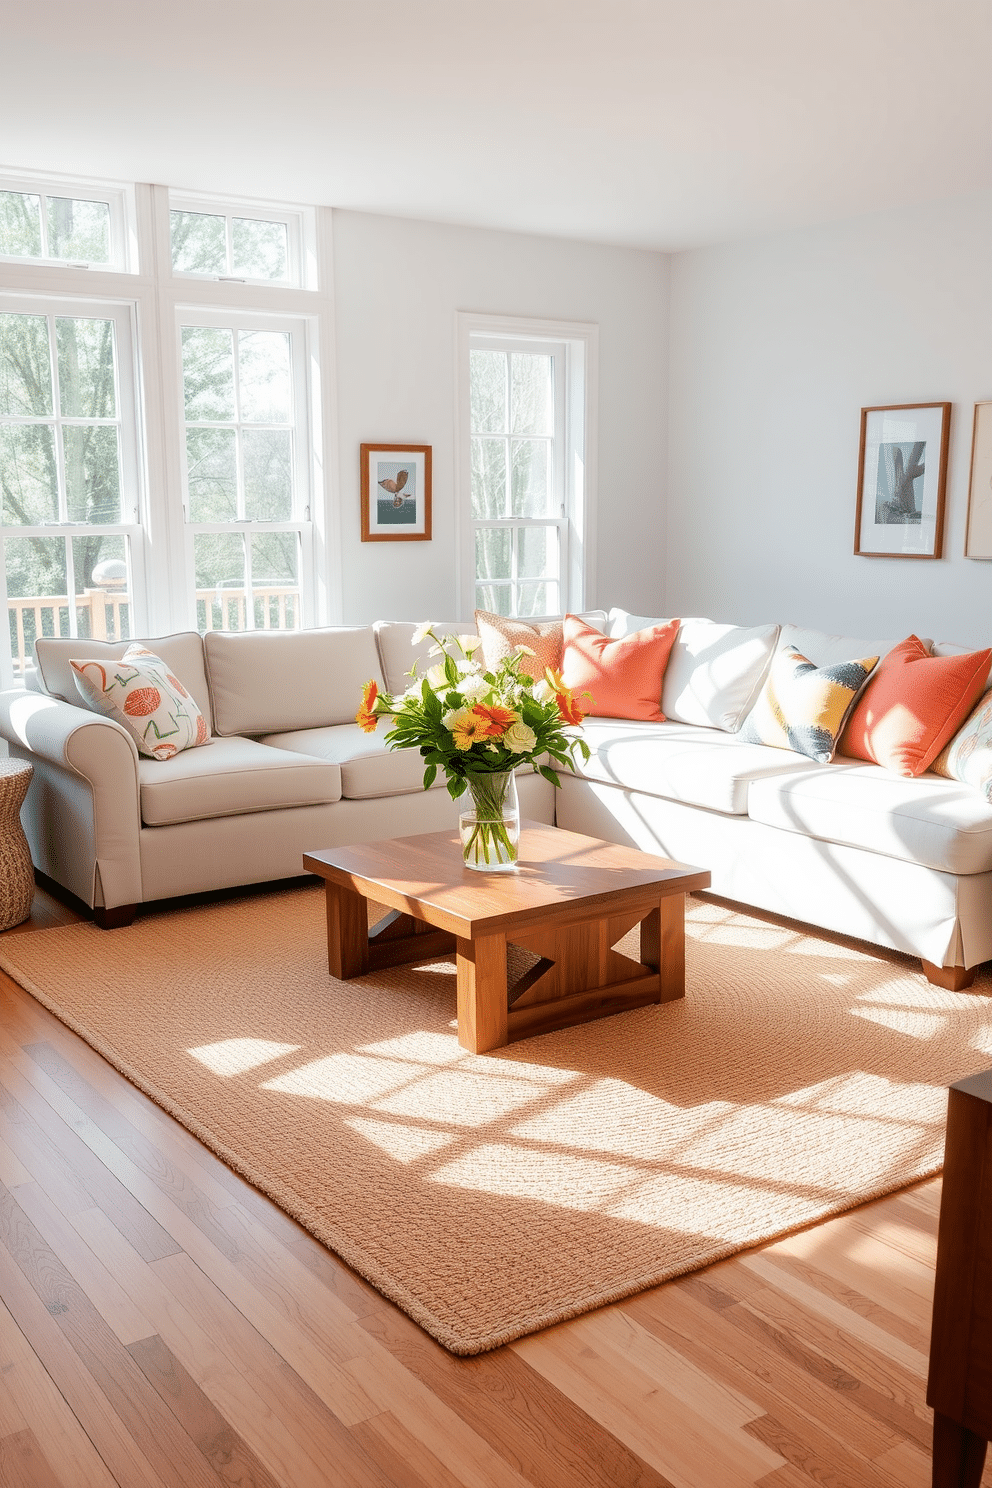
[300, 223]
[133, 485]
[301, 330]
[119, 198]
[576, 457]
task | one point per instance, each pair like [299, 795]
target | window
[246, 489]
[524, 419]
[64, 223]
[69, 502]
[249, 244]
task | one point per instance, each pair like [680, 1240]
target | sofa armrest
[82, 814]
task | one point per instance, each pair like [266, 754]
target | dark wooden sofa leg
[116, 918]
[951, 978]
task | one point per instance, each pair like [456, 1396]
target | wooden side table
[16, 868]
[960, 1384]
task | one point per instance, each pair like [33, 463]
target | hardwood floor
[162, 1325]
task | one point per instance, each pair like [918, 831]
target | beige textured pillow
[500, 638]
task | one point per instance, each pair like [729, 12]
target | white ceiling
[655, 123]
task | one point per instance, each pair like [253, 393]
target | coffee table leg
[482, 1010]
[663, 945]
[347, 932]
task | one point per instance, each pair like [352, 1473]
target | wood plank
[24, 1465]
[269, 1405]
[553, 1439]
[32, 1393]
[232, 1460]
[118, 1449]
[162, 1442]
[58, 1155]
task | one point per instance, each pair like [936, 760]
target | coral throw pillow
[624, 677]
[501, 637]
[914, 704]
[140, 693]
[803, 707]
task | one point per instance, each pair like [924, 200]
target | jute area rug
[491, 1195]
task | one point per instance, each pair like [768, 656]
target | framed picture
[902, 472]
[978, 542]
[396, 493]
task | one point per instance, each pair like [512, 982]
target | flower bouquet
[478, 726]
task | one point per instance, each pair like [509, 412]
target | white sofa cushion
[369, 768]
[699, 766]
[825, 649]
[397, 654]
[937, 823]
[232, 777]
[268, 681]
[622, 623]
[182, 654]
[715, 672]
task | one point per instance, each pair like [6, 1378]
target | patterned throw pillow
[804, 707]
[501, 637]
[968, 757]
[140, 693]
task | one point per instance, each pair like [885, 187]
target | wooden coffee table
[571, 899]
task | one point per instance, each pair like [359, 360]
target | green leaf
[549, 774]
[430, 775]
[456, 786]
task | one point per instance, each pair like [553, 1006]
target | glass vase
[490, 827]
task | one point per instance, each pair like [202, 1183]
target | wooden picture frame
[978, 537]
[902, 479]
[396, 492]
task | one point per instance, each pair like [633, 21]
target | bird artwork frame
[902, 478]
[396, 492]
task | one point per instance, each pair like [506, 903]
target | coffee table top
[558, 870]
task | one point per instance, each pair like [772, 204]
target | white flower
[454, 717]
[422, 631]
[519, 738]
[436, 678]
[469, 643]
[473, 686]
[466, 666]
[542, 691]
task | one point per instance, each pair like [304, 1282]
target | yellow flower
[469, 730]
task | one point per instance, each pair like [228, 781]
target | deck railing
[103, 616]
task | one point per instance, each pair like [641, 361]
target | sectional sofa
[902, 863]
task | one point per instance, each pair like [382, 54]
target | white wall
[775, 347]
[398, 284]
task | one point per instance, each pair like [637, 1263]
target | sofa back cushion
[267, 681]
[715, 672]
[826, 649]
[182, 654]
[397, 652]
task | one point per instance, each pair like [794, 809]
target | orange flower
[568, 709]
[365, 717]
[497, 719]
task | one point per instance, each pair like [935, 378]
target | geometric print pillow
[140, 693]
[804, 707]
[968, 757]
